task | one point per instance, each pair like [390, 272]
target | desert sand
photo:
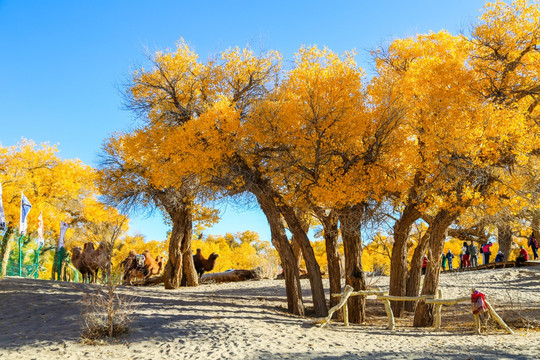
[40, 319]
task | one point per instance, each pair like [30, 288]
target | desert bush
[105, 314]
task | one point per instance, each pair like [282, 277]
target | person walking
[473, 251]
[533, 243]
[450, 258]
[487, 252]
[443, 261]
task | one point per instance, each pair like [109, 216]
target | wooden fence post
[390, 314]
[498, 318]
[438, 310]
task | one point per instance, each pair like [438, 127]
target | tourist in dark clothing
[533, 243]
[473, 251]
[450, 258]
[499, 257]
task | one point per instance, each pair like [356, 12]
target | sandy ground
[41, 320]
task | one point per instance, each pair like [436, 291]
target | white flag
[63, 228]
[41, 241]
[25, 209]
[2, 216]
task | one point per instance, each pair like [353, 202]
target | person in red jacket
[487, 252]
[424, 265]
[522, 257]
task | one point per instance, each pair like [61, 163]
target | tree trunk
[504, 238]
[350, 220]
[400, 250]
[535, 223]
[182, 219]
[330, 226]
[6, 250]
[286, 255]
[313, 268]
[189, 275]
[423, 315]
[297, 249]
[415, 272]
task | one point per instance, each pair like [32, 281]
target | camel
[77, 260]
[202, 264]
[128, 264]
[148, 268]
[95, 259]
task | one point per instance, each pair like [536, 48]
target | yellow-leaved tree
[54, 187]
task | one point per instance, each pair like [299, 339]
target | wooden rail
[495, 265]
[348, 292]
[438, 301]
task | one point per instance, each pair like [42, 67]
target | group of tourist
[468, 256]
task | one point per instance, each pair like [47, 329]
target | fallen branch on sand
[149, 282]
[230, 276]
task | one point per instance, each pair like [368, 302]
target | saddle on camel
[141, 266]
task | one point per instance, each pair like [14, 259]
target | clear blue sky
[62, 63]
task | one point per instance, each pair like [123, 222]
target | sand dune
[40, 320]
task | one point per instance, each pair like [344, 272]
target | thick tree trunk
[350, 220]
[331, 233]
[6, 250]
[181, 233]
[504, 238]
[535, 223]
[423, 315]
[313, 268]
[297, 249]
[189, 275]
[400, 250]
[286, 255]
[415, 272]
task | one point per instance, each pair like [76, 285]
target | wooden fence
[438, 301]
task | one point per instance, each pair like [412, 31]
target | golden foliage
[239, 251]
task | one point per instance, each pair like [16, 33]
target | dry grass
[105, 314]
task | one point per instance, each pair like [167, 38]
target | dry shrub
[105, 314]
[517, 313]
[269, 267]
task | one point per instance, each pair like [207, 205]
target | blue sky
[63, 63]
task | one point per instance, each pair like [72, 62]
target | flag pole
[37, 262]
[20, 255]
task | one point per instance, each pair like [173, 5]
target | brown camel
[202, 264]
[149, 267]
[77, 260]
[95, 259]
[129, 264]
